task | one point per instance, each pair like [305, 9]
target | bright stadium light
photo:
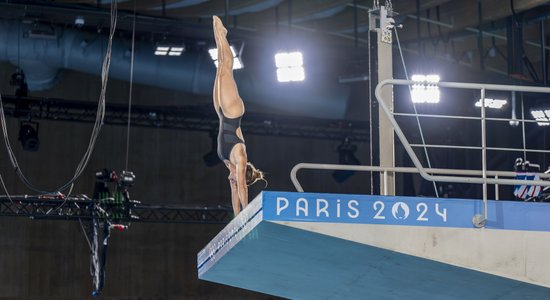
[492, 103]
[425, 90]
[164, 50]
[161, 50]
[541, 116]
[237, 63]
[288, 60]
[176, 51]
[290, 66]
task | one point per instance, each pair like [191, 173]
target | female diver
[230, 109]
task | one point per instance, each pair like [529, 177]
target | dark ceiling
[446, 29]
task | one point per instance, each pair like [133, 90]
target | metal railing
[446, 175]
[387, 170]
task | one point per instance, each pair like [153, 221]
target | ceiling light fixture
[541, 116]
[166, 50]
[424, 89]
[290, 66]
[492, 103]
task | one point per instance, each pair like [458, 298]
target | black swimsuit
[227, 136]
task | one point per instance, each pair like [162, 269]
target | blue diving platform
[330, 246]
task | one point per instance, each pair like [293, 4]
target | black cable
[5, 188]
[100, 114]
[131, 89]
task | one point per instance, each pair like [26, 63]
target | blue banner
[398, 210]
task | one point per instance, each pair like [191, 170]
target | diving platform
[331, 246]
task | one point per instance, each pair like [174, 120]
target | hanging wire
[5, 189]
[18, 44]
[18, 63]
[131, 89]
[415, 111]
[100, 114]
[85, 234]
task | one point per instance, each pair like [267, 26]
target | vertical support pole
[497, 196]
[480, 220]
[385, 183]
[480, 36]
[523, 128]
[163, 8]
[382, 134]
[484, 153]
[373, 103]
[543, 54]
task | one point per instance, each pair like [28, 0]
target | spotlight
[237, 62]
[492, 103]
[290, 66]
[79, 21]
[346, 156]
[541, 116]
[424, 89]
[211, 158]
[20, 83]
[28, 136]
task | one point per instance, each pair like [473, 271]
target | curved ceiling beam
[179, 4]
[210, 8]
[343, 22]
[301, 11]
[327, 13]
[460, 14]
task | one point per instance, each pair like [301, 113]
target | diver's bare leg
[225, 90]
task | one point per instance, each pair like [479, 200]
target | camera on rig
[105, 175]
[112, 196]
[127, 179]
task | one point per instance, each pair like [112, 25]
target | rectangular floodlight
[164, 50]
[432, 78]
[289, 60]
[290, 74]
[541, 116]
[424, 90]
[425, 93]
[492, 103]
[290, 66]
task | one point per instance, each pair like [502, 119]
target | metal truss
[53, 207]
[111, 209]
[199, 117]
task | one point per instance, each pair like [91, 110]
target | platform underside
[289, 259]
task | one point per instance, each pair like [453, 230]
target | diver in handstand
[230, 109]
